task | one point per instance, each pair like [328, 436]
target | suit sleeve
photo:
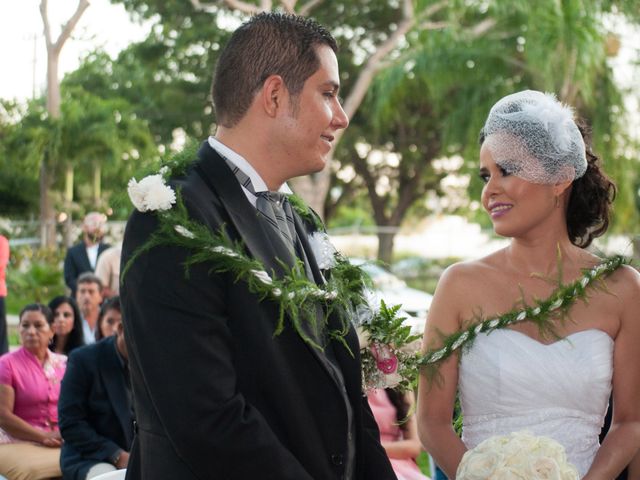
[376, 462]
[74, 414]
[177, 330]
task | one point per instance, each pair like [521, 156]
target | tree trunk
[386, 238]
[68, 203]
[53, 85]
[97, 185]
[47, 214]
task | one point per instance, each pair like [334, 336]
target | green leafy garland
[388, 330]
[345, 290]
[542, 314]
[385, 341]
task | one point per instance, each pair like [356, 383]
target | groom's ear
[272, 95]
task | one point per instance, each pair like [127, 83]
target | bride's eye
[484, 177]
[504, 172]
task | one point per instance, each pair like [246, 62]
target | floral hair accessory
[533, 136]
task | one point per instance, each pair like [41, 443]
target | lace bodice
[510, 382]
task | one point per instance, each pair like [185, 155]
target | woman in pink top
[29, 389]
[4, 261]
[398, 431]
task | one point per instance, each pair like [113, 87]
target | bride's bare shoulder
[625, 282]
[467, 273]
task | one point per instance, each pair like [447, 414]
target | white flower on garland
[391, 380]
[184, 232]
[518, 455]
[323, 250]
[364, 337]
[151, 193]
[366, 311]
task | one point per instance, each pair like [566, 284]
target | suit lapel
[114, 384]
[252, 229]
[84, 258]
[258, 236]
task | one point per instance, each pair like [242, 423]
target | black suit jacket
[94, 411]
[217, 395]
[76, 262]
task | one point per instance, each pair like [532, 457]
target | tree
[19, 186]
[372, 30]
[47, 220]
[418, 77]
[432, 101]
[101, 139]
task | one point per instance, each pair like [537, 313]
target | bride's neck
[542, 257]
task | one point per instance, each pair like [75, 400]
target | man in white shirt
[83, 256]
[89, 297]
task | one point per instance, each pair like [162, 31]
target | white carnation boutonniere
[151, 193]
[323, 250]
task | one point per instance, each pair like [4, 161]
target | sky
[21, 29]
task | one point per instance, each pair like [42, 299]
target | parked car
[394, 291]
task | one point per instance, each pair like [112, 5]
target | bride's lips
[499, 209]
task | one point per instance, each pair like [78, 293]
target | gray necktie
[273, 206]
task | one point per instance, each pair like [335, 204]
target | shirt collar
[239, 161]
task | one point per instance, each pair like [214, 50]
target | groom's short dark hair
[267, 44]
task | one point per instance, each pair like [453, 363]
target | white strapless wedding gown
[511, 382]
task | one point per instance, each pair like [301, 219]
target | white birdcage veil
[533, 136]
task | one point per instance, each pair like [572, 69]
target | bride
[544, 189]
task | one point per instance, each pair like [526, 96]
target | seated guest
[89, 298]
[67, 325]
[95, 408]
[110, 317]
[29, 389]
[398, 431]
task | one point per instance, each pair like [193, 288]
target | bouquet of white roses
[519, 455]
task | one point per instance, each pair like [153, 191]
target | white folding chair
[117, 475]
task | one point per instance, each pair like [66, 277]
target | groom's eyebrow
[335, 86]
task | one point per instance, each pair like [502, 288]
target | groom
[217, 394]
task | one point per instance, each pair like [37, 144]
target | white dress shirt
[239, 161]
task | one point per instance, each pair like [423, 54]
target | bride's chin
[503, 232]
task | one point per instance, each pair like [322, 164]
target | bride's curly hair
[590, 200]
